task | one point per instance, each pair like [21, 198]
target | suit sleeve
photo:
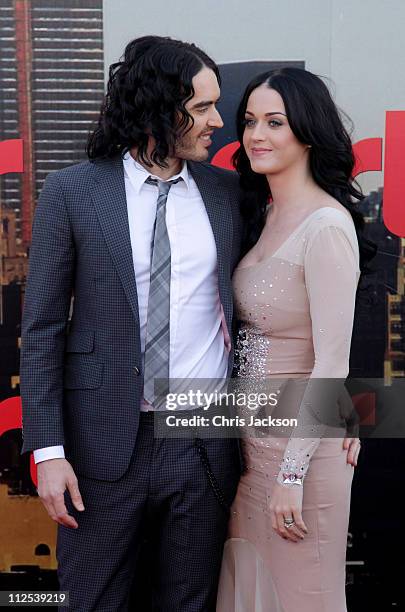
[45, 316]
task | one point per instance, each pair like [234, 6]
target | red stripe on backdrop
[11, 156]
[223, 157]
[11, 418]
[394, 173]
[368, 154]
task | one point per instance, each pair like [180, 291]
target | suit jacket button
[136, 370]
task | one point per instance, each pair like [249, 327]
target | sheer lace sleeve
[331, 266]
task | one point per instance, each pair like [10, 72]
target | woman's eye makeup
[249, 122]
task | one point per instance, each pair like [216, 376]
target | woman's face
[268, 139]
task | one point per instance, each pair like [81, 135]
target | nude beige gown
[296, 311]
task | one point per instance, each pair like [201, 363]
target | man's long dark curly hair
[314, 119]
[146, 95]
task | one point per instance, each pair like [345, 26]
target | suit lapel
[217, 204]
[108, 195]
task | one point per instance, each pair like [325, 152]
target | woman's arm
[331, 277]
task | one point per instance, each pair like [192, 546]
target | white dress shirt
[199, 340]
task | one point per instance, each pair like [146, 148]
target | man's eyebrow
[205, 103]
[267, 114]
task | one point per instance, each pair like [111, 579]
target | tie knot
[164, 186]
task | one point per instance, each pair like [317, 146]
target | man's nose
[215, 119]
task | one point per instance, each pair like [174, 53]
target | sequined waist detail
[251, 352]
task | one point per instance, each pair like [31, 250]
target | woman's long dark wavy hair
[314, 120]
[146, 95]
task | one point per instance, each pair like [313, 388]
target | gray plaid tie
[158, 316]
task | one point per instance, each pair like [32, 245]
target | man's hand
[54, 476]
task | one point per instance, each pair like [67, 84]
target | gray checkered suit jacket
[81, 383]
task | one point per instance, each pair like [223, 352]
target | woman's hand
[352, 445]
[286, 504]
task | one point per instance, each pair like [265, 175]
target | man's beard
[186, 148]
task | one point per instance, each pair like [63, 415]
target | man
[145, 237]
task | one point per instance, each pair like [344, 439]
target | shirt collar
[137, 174]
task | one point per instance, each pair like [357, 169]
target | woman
[295, 294]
